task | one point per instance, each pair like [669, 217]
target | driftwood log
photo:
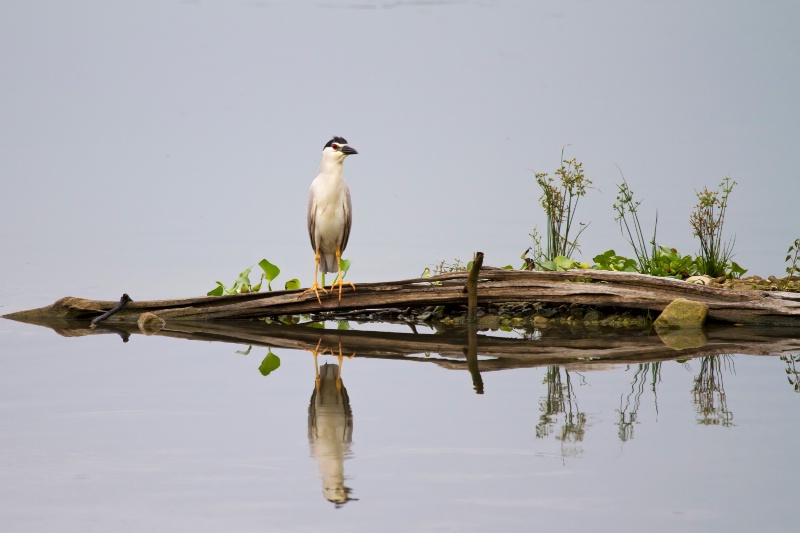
[586, 287]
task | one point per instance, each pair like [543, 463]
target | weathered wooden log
[586, 287]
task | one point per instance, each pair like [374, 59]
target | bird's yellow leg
[341, 357]
[316, 365]
[339, 281]
[315, 286]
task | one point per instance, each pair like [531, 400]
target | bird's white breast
[329, 194]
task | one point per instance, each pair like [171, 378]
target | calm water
[164, 434]
[156, 147]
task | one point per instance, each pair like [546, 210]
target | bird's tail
[327, 263]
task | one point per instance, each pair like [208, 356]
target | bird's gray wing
[311, 214]
[348, 217]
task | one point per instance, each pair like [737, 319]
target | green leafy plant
[707, 222]
[668, 262]
[561, 263]
[628, 219]
[609, 260]
[444, 267]
[537, 254]
[560, 202]
[243, 284]
[793, 258]
[270, 272]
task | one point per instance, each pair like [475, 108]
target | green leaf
[245, 352]
[426, 273]
[548, 265]
[344, 265]
[508, 267]
[736, 270]
[270, 271]
[344, 325]
[292, 285]
[563, 263]
[316, 325]
[244, 277]
[219, 290]
[270, 363]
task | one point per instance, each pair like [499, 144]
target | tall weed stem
[707, 221]
[560, 202]
[631, 229]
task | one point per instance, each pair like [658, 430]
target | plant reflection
[330, 427]
[708, 393]
[791, 370]
[561, 400]
[628, 411]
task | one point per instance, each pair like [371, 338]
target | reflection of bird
[330, 431]
[329, 214]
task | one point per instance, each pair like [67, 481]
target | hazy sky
[154, 147]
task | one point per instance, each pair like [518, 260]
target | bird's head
[337, 149]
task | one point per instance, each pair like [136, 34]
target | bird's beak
[349, 150]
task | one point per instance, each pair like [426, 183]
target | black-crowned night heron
[329, 214]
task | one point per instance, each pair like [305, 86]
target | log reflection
[471, 352]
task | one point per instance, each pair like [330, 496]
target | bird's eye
[335, 146]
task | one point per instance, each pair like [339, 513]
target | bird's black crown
[336, 139]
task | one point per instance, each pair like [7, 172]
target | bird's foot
[340, 283]
[315, 288]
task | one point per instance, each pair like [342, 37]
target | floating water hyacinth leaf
[270, 271]
[292, 285]
[219, 290]
[270, 363]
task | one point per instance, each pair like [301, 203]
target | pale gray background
[155, 147]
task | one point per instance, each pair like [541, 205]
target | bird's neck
[331, 169]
